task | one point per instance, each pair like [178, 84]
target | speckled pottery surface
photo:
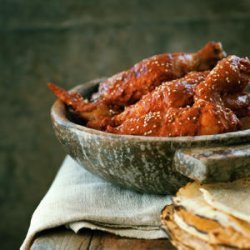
[157, 165]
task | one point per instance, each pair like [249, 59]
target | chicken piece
[203, 118]
[97, 118]
[175, 94]
[72, 99]
[235, 71]
[129, 86]
[239, 103]
[208, 114]
[231, 75]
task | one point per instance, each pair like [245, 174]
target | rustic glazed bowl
[158, 165]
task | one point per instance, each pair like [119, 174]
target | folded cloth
[78, 199]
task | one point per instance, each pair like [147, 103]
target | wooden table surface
[62, 238]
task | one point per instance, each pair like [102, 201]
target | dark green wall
[70, 42]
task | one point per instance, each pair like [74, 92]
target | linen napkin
[78, 199]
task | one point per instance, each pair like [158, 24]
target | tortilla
[208, 217]
[190, 198]
[232, 198]
[169, 226]
[182, 239]
[217, 234]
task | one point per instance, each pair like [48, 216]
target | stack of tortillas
[210, 216]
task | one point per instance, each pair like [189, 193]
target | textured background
[73, 41]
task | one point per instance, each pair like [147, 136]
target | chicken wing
[239, 103]
[97, 118]
[202, 119]
[129, 86]
[231, 75]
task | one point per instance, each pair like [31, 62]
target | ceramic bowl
[158, 165]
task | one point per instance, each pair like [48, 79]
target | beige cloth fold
[78, 199]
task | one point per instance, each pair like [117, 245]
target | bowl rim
[58, 114]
